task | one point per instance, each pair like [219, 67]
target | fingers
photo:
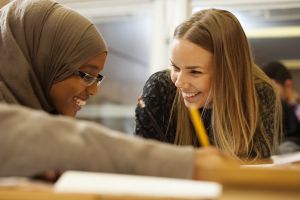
[210, 158]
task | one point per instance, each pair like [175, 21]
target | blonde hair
[236, 116]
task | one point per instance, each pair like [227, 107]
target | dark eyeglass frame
[89, 79]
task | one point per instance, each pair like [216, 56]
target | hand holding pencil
[209, 158]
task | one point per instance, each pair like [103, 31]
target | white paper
[116, 184]
[286, 158]
[278, 160]
[258, 166]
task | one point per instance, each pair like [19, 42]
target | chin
[197, 105]
[73, 114]
[188, 104]
[69, 113]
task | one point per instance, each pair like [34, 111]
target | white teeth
[184, 94]
[79, 102]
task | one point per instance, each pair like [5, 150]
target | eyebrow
[188, 67]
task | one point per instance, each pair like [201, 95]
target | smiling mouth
[79, 102]
[190, 94]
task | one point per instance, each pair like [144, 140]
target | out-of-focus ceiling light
[274, 32]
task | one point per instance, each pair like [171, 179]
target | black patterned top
[153, 121]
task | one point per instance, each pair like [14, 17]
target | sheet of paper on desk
[279, 160]
[286, 158]
[116, 184]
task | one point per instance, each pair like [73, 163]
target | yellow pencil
[199, 127]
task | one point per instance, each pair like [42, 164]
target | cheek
[59, 94]
[173, 76]
[208, 83]
[63, 92]
[208, 88]
[202, 84]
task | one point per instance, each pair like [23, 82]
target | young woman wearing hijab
[213, 69]
[50, 57]
[47, 53]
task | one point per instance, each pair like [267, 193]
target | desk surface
[246, 184]
[228, 194]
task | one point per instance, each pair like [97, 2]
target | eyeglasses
[89, 79]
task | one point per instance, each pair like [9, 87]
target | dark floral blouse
[153, 119]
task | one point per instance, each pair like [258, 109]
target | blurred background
[138, 34]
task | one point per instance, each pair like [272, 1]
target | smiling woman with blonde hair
[212, 68]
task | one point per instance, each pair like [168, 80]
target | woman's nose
[92, 89]
[180, 80]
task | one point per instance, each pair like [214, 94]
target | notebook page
[116, 184]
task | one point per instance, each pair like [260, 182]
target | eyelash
[195, 72]
[175, 68]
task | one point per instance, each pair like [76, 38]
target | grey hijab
[42, 43]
